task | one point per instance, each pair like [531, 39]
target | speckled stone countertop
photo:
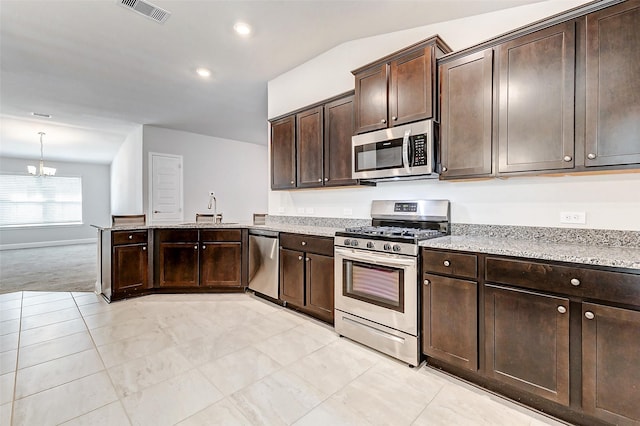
[621, 257]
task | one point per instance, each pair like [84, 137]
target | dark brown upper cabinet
[536, 79]
[613, 86]
[338, 129]
[466, 86]
[283, 153]
[399, 88]
[309, 146]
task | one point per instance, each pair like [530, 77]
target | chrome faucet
[214, 202]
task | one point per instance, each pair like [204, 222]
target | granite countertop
[323, 231]
[620, 257]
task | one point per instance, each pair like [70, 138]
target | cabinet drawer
[221, 235]
[582, 282]
[442, 262]
[129, 237]
[178, 235]
[307, 243]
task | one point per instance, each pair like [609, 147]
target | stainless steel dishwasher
[263, 262]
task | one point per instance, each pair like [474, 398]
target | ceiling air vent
[147, 9]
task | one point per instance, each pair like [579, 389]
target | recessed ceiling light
[41, 115]
[242, 28]
[203, 72]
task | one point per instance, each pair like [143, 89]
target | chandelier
[42, 170]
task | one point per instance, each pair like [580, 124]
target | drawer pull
[144, 249]
[562, 309]
[299, 257]
[131, 237]
[446, 263]
[575, 282]
[204, 247]
[304, 243]
[427, 282]
[589, 315]
[195, 247]
[307, 259]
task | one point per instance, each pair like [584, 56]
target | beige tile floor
[70, 358]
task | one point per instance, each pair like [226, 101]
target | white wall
[236, 171]
[610, 201]
[126, 176]
[95, 206]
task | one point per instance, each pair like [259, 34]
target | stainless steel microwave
[405, 151]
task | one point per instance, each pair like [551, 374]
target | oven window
[379, 156]
[377, 285]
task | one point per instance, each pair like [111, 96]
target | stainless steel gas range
[376, 275]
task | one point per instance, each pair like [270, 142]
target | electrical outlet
[281, 209]
[573, 217]
[300, 210]
[347, 212]
[309, 210]
[212, 194]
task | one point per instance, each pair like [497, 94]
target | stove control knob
[396, 247]
[370, 244]
[387, 247]
[354, 243]
[347, 242]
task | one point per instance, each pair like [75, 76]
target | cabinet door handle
[131, 237]
[446, 263]
[567, 158]
[326, 179]
[383, 121]
[575, 282]
[299, 257]
[444, 169]
[591, 156]
[144, 249]
[562, 309]
[427, 282]
[291, 182]
[204, 247]
[319, 179]
[394, 118]
[304, 243]
[589, 315]
[307, 259]
[195, 247]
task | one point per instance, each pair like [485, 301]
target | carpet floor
[59, 268]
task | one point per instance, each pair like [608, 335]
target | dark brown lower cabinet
[450, 320]
[611, 363]
[306, 274]
[221, 264]
[527, 341]
[178, 264]
[320, 278]
[130, 268]
[292, 277]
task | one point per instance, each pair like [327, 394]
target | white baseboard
[47, 244]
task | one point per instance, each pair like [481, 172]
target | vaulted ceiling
[100, 69]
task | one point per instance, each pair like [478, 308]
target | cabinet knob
[427, 282]
[394, 118]
[307, 259]
[195, 247]
[383, 121]
[444, 169]
[446, 263]
[589, 315]
[131, 237]
[304, 243]
[567, 158]
[299, 257]
[319, 179]
[204, 247]
[591, 156]
[291, 182]
[562, 309]
[144, 249]
[575, 282]
[326, 179]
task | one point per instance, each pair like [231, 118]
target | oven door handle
[405, 151]
[384, 260]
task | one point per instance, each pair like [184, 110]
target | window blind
[42, 200]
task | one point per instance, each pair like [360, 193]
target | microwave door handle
[405, 151]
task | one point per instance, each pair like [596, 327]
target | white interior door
[165, 194]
